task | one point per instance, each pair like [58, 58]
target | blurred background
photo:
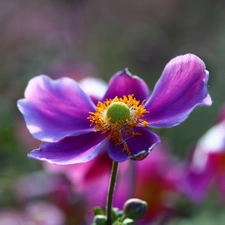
[97, 38]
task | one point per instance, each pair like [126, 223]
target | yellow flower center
[119, 117]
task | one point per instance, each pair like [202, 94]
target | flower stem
[114, 171]
[132, 178]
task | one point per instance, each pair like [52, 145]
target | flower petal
[139, 145]
[192, 183]
[71, 149]
[124, 83]
[55, 109]
[181, 88]
[94, 87]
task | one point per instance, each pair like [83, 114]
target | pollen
[119, 117]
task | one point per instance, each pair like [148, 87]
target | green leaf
[128, 221]
[99, 220]
[116, 213]
[98, 211]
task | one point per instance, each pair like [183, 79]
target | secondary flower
[209, 158]
[74, 129]
[206, 167]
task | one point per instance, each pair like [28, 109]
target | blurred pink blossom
[206, 167]
[55, 189]
[37, 213]
[155, 182]
[209, 156]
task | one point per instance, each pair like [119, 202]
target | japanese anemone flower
[74, 129]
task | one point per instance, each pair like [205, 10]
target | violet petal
[139, 145]
[124, 83]
[71, 149]
[55, 109]
[181, 88]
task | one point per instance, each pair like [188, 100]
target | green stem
[114, 171]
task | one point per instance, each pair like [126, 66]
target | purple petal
[55, 109]
[181, 88]
[139, 146]
[124, 83]
[71, 149]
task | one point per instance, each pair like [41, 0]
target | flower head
[74, 129]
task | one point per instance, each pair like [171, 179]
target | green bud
[134, 208]
[99, 220]
[118, 111]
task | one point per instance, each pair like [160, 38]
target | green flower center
[118, 112]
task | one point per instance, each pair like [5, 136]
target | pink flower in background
[55, 189]
[84, 176]
[44, 213]
[192, 182]
[221, 116]
[12, 217]
[156, 183]
[207, 164]
[36, 213]
[209, 157]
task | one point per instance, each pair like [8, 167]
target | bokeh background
[97, 38]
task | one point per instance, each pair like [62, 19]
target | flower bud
[134, 208]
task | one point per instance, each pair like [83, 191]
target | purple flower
[74, 129]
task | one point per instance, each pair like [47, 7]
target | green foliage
[134, 209]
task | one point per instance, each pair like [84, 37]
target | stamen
[119, 117]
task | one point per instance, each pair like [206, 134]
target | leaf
[98, 211]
